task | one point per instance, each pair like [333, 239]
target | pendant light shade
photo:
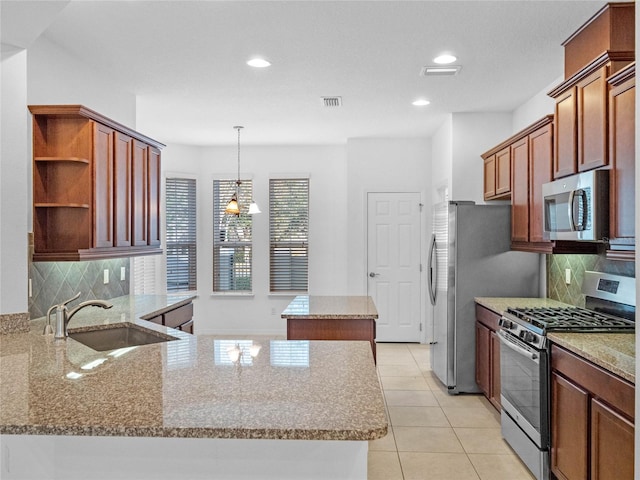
[233, 207]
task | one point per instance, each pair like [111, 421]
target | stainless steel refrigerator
[470, 257]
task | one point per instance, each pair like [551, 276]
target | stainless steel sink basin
[120, 335]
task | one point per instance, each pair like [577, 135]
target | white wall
[474, 134]
[260, 313]
[383, 165]
[14, 178]
[442, 161]
[55, 77]
[535, 108]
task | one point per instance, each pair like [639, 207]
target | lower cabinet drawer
[179, 316]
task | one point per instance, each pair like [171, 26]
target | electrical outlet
[567, 276]
[123, 274]
[105, 276]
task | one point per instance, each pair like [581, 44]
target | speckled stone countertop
[314, 307]
[614, 352]
[189, 387]
[500, 304]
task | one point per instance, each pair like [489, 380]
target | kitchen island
[313, 317]
[194, 407]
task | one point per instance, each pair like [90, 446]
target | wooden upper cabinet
[96, 186]
[592, 120]
[490, 177]
[540, 172]
[520, 191]
[565, 134]
[622, 98]
[503, 171]
[123, 171]
[103, 186]
[497, 174]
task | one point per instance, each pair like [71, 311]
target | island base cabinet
[333, 329]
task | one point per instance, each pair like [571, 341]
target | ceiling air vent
[331, 101]
[440, 71]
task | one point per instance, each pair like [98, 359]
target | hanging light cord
[238, 182]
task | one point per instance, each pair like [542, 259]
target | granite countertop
[614, 352]
[314, 307]
[188, 387]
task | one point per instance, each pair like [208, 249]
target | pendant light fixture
[233, 207]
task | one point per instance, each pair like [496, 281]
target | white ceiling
[185, 60]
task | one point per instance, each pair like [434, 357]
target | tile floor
[434, 435]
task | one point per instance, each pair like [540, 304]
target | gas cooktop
[570, 319]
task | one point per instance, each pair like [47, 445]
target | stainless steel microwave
[577, 207]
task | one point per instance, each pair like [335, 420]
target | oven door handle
[504, 339]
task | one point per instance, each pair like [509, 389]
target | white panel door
[393, 264]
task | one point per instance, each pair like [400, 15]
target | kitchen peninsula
[194, 407]
[313, 317]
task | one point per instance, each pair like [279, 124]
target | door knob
[373, 275]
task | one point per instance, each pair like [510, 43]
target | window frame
[193, 263]
[292, 286]
[218, 203]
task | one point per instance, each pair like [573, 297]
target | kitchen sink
[120, 335]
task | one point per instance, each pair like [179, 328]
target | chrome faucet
[63, 314]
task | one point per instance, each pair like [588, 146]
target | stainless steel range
[610, 302]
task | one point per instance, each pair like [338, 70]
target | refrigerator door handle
[433, 279]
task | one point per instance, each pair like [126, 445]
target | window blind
[180, 243]
[232, 238]
[289, 234]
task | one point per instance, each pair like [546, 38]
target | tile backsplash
[55, 282]
[578, 264]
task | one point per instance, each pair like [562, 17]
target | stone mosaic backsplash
[571, 294]
[55, 282]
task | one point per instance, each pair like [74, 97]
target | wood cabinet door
[139, 225]
[103, 186]
[612, 444]
[503, 171]
[483, 358]
[153, 182]
[622, 148]
[122, 190]
[520, 191]
[540, 172]
[494, 396]
[490, 177]
[569, 429]
[592, 120]
[564, 158]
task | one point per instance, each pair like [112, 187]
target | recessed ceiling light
[421, 102]
[258, 63]
[444, 59]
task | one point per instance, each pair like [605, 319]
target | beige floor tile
[433, 381]
[384, 444]
[417, 417]
[478, 417]
[427, 439]
[383, 466]
[462, 400]
[399, 370]
[436, 466]
[499, 467]
[404, 383]
[401, 357]
[410, 398]
[482, 440]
